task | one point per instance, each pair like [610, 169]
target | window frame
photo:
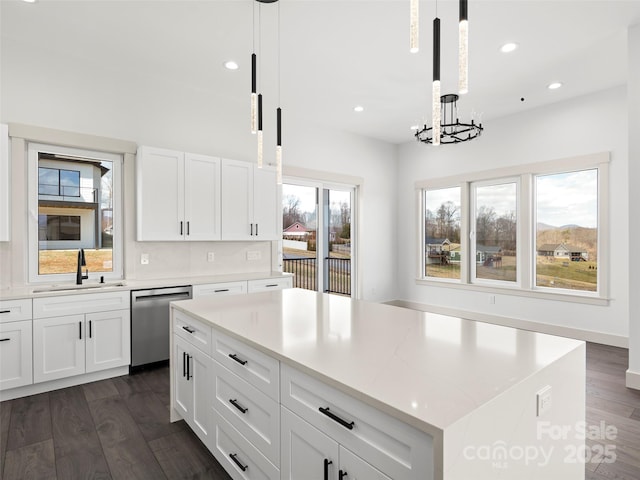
[526, 173]
[33, 150]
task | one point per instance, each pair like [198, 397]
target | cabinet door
[160, 194]
[265, 203]
[200, 371]
[183, 393]
[306, 451]
[353, 467]
[58, 347]
[15, 354]
[5, 209]
[202, 197]
[108, 340]
[237, 214]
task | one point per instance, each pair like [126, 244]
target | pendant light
[279, 117]
[435, 107]
[260, 134]
[254, 96]
[414, 26]
[463, 49]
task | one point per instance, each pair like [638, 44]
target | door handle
[188, 329]
[256, 229]
[341, 475]
[90, 331]
[237, 359]
[235, 403]
[188, 227]
[184, 364]
[80, 330]
[252, 229]
[335, 418]
[181, 227]
[4, 339]
[234, 457]
[327, 462]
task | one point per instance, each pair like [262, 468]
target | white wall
[43, 87]
[633, 375]
[584, 125]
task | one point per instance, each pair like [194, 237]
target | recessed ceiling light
[554, 85]
[30, 1]
[231, 65]
[358, 108]
[508, 47]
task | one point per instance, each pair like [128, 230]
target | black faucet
[81, 263]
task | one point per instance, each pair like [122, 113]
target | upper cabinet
[249, 201]
[5, 209]
[178, 196]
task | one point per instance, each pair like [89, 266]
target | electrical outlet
[543, 400]
[254, 255]
[211, 257]
[144, 259]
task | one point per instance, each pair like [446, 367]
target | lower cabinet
[15, 354]
[76, 344]
[192, 390]
[310, 454]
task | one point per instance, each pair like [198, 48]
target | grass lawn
[66, 261]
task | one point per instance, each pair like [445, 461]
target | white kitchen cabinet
[5, 207]
[249, 201]
[108, 340]
[192, 391]
[178, 196]
[227, 288]
[266, 284]
[15, 354]
[58, 347]
[352, 467]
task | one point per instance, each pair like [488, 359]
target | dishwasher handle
[143, 296]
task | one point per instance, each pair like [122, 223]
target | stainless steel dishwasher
[150, 323]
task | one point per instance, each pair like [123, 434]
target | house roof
[295, 227]
[488, 248]
[437, 241]
[552, 247]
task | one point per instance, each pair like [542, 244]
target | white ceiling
[336, 54]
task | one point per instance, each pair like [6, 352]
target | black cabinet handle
[336, 418]
[252, 229]
[189, 367]
[234, 457]
[235, 403]
[256, 229]
[188, 228]
[221, 290]
[327, 462]
[239, 360]
[181, 228]
[4, 339]
[271, 285]
[341, 475]
[80, 330]
[184, 364]
[5, 311]
[90, 330]
[188, 329]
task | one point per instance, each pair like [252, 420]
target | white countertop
[428, 370]
[27, 291]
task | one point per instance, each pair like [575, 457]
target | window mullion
[526, 243]
[465, 230]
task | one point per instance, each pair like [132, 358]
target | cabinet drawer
[193, 331]
[238, 457]
[264, 285]
[260, 370]
[15, 310]
[15, 354]
[251, 412]
[230, 288]
[395, 448]
[80, 303]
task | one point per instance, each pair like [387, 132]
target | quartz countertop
[429, 370]
[31, 291]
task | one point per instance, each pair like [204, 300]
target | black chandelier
[450, 131]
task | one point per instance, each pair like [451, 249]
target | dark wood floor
[119, 429]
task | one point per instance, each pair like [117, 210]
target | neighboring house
[437, 251]
[563, 251]
[69, 203]
[488, 255]
[296, 229]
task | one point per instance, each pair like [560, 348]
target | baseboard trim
[576, 333]
[633, 379]
[36, 388]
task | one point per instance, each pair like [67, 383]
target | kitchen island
[296, 384]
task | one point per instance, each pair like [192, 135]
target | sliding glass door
[318, 237]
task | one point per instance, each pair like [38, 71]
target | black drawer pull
[235, 403]
[4, 339]
[327, 462]
[272, 285]
[336, 418]
[239, 360]
[5, 311]
[341, 475]
[188, 329]
[237, 462]
[221, 290]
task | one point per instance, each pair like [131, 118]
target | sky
[307, 196]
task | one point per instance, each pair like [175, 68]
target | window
[75, 196]
[442, 251]
[495, 232]
[533, 230]
[567, 230]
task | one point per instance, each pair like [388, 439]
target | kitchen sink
[78, 288]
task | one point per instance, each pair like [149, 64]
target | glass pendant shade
[463, 49]
[254, 96]
[414, 27]
[279, 146]
[260, 135]
[435, 107]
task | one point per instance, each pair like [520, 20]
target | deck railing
[305, 274]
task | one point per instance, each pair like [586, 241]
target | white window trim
[526, 283]
[32, 191]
